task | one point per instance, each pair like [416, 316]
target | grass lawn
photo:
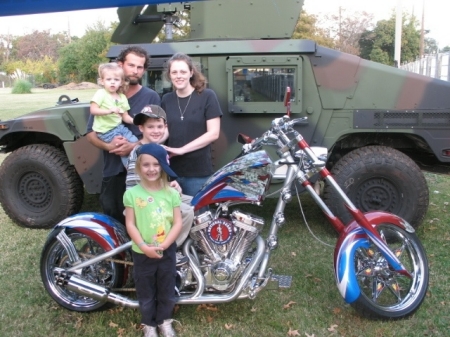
[311, 307]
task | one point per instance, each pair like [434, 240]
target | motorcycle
[380, 266]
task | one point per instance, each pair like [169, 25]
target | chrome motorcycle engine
[225, 243]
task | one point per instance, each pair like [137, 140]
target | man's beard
[133, 81]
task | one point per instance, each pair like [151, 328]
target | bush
[22, 87]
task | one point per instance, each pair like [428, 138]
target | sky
[77, 21]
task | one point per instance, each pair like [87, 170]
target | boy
[152, 122]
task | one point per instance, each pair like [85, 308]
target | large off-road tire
[105, 273]
[385, 293]
[39, 187]
[379, 178]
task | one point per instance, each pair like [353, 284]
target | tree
[347, 29]
[79, 60]
[93, 48]
[68, 63]
[430, 46]
[379, 44]
[307, 28]
[5, 47]
[37, 45]
[40, 71]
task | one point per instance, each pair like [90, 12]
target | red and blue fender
[354, 237]
[106, 231]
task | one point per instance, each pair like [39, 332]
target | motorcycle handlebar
[279, 126]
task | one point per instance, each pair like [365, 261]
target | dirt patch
[78, 86]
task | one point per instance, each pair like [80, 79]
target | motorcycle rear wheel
[104, 273]
[386, 294]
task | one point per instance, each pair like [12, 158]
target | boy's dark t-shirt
[112, 164]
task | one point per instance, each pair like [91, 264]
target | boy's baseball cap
[152, 111]
[160, 154]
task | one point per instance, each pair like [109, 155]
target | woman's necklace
[179, 107]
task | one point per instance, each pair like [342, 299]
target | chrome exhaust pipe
[92, 290]
[99, 293]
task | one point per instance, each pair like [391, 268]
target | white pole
[398, 34]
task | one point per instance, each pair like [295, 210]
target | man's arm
[97, 142]
[119, 145]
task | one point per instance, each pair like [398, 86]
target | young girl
[193, 119]
[153, 221]
[109, 106]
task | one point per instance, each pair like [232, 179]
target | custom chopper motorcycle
[380, 265]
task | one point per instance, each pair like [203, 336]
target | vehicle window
[262, 84]
[155, 80]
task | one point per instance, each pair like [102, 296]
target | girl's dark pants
[155, 286]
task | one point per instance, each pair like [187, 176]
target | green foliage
[22, 87]
[79, 60]
[379, 44]
[68, 62]
[43, 70]
[307, 28]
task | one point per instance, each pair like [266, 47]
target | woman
[193, 118]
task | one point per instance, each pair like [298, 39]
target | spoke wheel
[103, 273]
[386, 293]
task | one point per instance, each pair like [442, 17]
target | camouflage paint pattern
[62, 126]
[349, 102]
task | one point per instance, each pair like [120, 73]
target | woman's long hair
[198, 80]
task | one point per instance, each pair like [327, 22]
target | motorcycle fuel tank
[246, 178]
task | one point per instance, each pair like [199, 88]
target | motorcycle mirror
[287, 101]
[244, 139]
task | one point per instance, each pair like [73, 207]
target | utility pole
[68, 30]
[340, 28]
[422, 31]
[398, 34]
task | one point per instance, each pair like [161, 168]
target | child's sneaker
[150, 331]
[166, 329]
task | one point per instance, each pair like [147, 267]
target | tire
[39, 187]
[64, 99]
[104, 273]
[386, 294]
[379, 178]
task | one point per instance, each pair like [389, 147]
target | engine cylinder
[198, 234]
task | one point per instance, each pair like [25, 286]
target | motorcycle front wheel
[105, 273]
[385, 293]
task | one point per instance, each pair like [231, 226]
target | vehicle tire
[385, 293]
[379, 178]
[45, 86]
[104, 273]
[39, 187]
[64, 99]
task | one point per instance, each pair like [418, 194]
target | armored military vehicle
[382, 126]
